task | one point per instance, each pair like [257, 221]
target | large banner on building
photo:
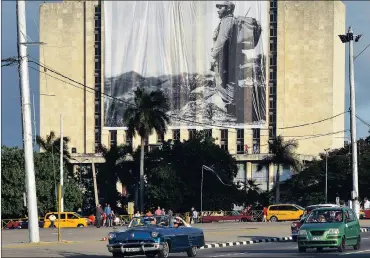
[208, 57]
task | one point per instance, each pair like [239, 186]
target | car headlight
[111, 235]
[333, 231]
[302, 232]
[154, 234]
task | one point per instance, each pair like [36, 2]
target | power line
[93, 90]
[363, 121]
[361, 52]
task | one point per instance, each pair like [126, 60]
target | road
[97, 249]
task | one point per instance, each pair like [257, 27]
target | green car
[334, 227]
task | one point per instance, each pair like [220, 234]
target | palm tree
[51, 144]
[147, 114]
[282, 154]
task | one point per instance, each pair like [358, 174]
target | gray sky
[357, 16]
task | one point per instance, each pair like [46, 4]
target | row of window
[273, 69]
[97, 72]
[241, 147]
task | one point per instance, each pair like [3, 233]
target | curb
[250, 242]
[263, 240]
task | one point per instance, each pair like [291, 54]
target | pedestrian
[163, 212]
[195, 216]
[110, 218]
[158, 212]
[264, 212]
[52, 219]
[137, 214]
[99, 214]
[366, 204]
[191, 215]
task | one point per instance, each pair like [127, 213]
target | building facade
[305, 84]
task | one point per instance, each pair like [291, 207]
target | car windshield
[163, 221]
[325, 216]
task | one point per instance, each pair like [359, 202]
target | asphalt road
[279, 249]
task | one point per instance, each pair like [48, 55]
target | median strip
[250, 242]
[257, 241]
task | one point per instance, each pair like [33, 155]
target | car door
[354, 225]
[283, 212]
[348, 228]
[71, 220]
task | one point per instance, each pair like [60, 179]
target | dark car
[156, 235]
[297, 224]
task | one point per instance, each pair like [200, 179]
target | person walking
[52, 219]
[264, 212]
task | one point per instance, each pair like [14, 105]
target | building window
[113, 138]
[128, 140]
[272, 90]
[176, 134]
[160, 138]
[256, 140]
[273, 32]
[272, 103]
[192, 133]
[273, 4]
[224, 139]
[273, 17]
[272, 60]
[240, 141]
[97, 86]
[207, 133]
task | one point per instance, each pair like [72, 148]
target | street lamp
[326, 174]
[348, 38]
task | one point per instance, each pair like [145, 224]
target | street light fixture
[348, 38]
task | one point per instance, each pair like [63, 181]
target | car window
[274, 208]
[47, 216]
[288, 208]
[325, 216]
[72, 216]
[347, 217]
[352, 216]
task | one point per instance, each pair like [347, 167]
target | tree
[175, 173]
[282, 154]
[13, 184]
[308, 186]
[115, 168]
[51, 144]
[148, 114]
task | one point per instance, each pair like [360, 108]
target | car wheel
[357, 246]
[80, 226]
[294, 238]
[273, 219]
[319, 249]
[301, 249]
[166, 250]
[342, 245]
[192, 251]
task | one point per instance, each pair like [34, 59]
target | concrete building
[305, 83]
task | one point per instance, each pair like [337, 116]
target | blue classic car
[156, 235]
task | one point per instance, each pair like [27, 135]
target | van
[284, 212]
[67, 220]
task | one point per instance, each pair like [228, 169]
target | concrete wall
[310, 72]
[61, 28]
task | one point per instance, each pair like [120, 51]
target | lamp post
[326, 175]
[348, 38]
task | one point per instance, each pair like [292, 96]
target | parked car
[333, 227]
[297, 224]
[156, 235]
[284, 212]
[67, 220]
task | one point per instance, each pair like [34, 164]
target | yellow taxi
[284, 212]
[67, 220]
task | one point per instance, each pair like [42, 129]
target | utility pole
[349, 37]
[61, 151]
[326, 175]
[95, 184]
[33, 223]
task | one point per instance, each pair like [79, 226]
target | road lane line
[357, 252]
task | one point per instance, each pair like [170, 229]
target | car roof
[332, 208]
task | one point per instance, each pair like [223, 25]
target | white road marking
[358, 252]
[225, 255]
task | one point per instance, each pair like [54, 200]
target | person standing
[195, 216]
[158, 212]
[99, 213]
[107, 212]
[366, 204]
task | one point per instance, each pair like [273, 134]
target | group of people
[104, 217]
